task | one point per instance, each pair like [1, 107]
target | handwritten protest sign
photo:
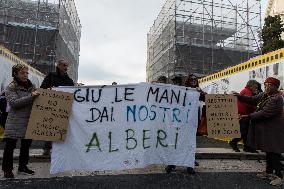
[222, 116]
[128, 126]
[49, 116]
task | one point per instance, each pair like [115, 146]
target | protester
[59, 77]
[3, 113]
[3, 109]
[162, 79]
[55, 79]
[192, 82]
[258, 90]
[266, 131]
[20, 95]
[245, 109]
[177, 80]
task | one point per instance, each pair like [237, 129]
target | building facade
[202, 37]
[41, 32]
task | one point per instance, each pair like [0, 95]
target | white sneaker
[277, 182]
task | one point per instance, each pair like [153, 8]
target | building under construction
[42, 31]
[202, 36]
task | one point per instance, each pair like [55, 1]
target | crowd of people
[260, 114]
[261, 122]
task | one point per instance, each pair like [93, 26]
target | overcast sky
[114, 39]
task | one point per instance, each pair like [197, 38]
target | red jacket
[244, 108]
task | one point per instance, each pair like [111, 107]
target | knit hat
[273, 81]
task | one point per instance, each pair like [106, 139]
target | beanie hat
[273, 81]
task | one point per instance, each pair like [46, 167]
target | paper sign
[50, 116]
[222, 116]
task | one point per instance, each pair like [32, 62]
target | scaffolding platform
[202, 37]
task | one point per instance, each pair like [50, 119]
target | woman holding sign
[20, 95]
[266, 131]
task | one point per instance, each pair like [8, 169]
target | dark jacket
[54, 79]
[266, 131]
[20, 101]
[3, 112]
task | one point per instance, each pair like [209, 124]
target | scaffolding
[41, 32]
[202, 37]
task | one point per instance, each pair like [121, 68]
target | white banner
[128, 126]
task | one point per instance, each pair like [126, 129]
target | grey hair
[61, 61]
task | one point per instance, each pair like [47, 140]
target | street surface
[233, 174]
[219, 168]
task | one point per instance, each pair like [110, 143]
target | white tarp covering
[6, 74]
[236, 82]
[128, 126]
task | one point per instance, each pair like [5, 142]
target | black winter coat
[54, 79]
[3, 113]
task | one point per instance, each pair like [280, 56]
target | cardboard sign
[222, 116]
[49, 118]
